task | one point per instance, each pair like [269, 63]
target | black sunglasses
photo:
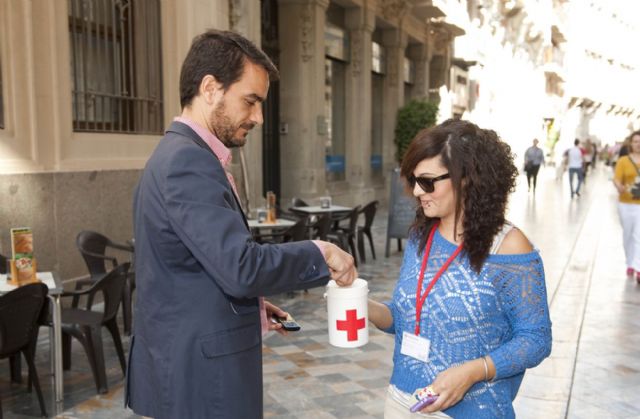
[427, 184]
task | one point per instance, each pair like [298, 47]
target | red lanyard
[421, 299]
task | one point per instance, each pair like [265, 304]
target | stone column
[244, 18]
[419, 54]
[302, 24]
[360, 23]
[182, 20]
[440, 59]
[395, 42]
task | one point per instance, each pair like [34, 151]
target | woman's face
[635, 144]
[441, 202]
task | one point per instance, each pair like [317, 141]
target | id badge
[415, 346]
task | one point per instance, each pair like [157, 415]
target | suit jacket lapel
[182, 129]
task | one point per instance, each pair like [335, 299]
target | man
[533, 158]
[575, 161]
[196, 347]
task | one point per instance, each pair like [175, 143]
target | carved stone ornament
[306, 26]
[441, 41]
[394, 9]
[235, 13]
[356, 52]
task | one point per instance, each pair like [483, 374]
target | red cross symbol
[351, 325]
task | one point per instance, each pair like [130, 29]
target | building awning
[451, 28]
[462, 63]
[427, 10]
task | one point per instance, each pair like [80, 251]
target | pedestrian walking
[575, 161]
[533, 159]
[627, 181]
[587, 156]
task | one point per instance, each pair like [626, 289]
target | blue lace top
[501, 312]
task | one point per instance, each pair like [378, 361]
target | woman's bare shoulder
[515, 242]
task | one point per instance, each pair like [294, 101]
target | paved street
[593, 371]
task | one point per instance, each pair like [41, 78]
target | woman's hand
[453, 383]
[620, 187]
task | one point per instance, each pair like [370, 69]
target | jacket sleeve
[202, 211]
[523, 296]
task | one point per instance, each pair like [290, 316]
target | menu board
[402, 210]
[23, 263]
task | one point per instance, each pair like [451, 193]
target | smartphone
[422, 403]
[288, 323]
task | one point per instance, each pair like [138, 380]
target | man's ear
[210, 89]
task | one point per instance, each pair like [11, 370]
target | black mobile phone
[288, 323]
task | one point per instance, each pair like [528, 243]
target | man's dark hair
[221, 54]
[576, 142]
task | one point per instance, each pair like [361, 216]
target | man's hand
[273, 310]
[341, 264]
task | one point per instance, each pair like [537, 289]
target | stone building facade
[87, 87]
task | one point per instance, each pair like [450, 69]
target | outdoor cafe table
[280, 223]
[318, 210]
[52, 281]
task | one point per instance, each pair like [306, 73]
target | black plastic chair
[20, 311]
[93, 247]
[297, 202]
[369, 212]
[320, 229]
[86, 325]
[346, 235]
[3, 264]
[14, 360]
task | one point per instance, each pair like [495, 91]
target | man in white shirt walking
[575, 162]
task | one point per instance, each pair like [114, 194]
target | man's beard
[225, 129]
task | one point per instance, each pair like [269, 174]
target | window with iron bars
[116, 66]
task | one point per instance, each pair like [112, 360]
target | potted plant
[413, 117]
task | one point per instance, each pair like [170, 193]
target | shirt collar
[219, 149]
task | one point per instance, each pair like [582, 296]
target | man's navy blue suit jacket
[196, 348]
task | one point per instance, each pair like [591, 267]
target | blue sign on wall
[376, 161]
[334, 163]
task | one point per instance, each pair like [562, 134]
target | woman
[486, 317]
[626, 175]
[533, 159]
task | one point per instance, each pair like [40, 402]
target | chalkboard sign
[402, 211]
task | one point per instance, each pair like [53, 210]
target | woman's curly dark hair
[482, 175]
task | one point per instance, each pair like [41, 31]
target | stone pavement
[593, 371]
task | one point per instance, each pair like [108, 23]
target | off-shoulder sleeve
[522, 295]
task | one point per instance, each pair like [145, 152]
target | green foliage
[413, 117]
